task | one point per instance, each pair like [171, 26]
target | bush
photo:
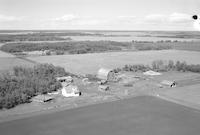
[24, 83]
[135, 68]
[60, 52]
[152, 46]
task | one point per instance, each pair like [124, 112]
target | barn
[106, 74]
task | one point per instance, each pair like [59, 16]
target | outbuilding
[42, 98]
[106, 74]
[151, 73]
[65, 80]
[169, 83]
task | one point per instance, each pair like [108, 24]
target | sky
[98, 14]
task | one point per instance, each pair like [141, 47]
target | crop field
[143, 115]
[6, 55]
[90, 63]
[8, 61]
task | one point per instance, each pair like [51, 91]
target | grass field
[90, 63]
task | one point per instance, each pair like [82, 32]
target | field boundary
[178, 101]
[28, 60]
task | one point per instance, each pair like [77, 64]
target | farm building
[42, 98]
[103, 88]
[70, 91]
[65, 80]
[169, 83]
[151, 73]
[106, 74]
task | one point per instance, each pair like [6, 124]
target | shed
[106, 74]
[169, 83]
[42, 98]
[65, 80]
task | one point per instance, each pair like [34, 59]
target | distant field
[5, 55]
[9, 63]
[90, 63]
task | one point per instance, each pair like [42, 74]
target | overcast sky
[98, 14]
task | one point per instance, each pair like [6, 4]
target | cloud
[151, 21]
[174, 18]
[155, 18]
[4, 18]
[179, 17]
[127, 17]
[68, 17]
[77, 20]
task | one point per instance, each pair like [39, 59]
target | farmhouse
[70, 91]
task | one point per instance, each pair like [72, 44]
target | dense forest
[75, 47]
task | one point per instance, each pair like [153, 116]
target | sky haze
[98, 14]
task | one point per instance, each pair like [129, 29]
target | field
[139, 106]
[90, 63]
[142, 115]
[8, 61]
